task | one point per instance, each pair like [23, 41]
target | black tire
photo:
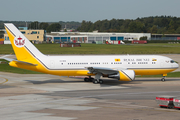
[170, 107]
[86, 79]
[91, 79]
[163, 80]
[101, 81]
[95, 81]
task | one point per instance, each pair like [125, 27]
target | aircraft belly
[152, 71]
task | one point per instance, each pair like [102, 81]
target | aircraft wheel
[91, 79]
[101, 81]
[86, 79]
[95, 81]
[170, 107]
[163, 80]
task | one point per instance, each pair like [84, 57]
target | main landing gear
[90, 79]
[95, 81]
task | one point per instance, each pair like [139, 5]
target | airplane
[120, 67]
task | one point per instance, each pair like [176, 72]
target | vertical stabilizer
[23, 48]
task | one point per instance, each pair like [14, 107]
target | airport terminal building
[78, 37]
[32, 35]
[90, 37]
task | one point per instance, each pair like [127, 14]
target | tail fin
[23, 48]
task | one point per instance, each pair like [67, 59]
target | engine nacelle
[124, 75]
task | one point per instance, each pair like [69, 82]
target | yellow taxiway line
[4, 81]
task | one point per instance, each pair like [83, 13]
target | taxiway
[48, 97]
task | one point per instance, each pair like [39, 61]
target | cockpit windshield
[172, 61]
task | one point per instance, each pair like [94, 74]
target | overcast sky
[91, 10]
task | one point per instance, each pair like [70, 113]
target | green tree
[157, 24]
[154, 29]
[161, 30]
[143, 38]
[34, 25]
[43, 26]
[105, 25]
[178, 30]
[54, 27]
[132, 27]
[171, 28]
[114, 24]
[97, 25]
[136, 27]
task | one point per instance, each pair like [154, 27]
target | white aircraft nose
[176, 65]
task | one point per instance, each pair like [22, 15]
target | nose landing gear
[164, 76]
[163, 79]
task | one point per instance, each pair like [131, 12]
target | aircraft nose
[176, 65]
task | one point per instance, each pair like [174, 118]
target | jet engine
[124, 75]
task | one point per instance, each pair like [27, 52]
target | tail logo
[19, 42]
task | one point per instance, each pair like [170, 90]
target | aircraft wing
[25, 63]
[95, 70]
[119, 73]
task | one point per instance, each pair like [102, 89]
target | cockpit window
[172, 61]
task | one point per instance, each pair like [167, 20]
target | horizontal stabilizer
[5, 57]
[8, 59]
[25, 63]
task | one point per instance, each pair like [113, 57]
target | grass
[110, 49]
[151, 48]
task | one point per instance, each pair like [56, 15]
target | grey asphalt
[48, 97]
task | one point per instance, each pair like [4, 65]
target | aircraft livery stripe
[10, 31]
[36, 57]
[126, 75]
